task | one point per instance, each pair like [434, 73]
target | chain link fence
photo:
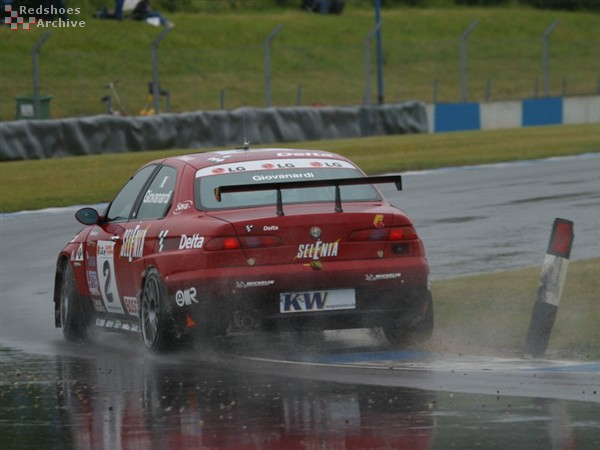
[233, 77]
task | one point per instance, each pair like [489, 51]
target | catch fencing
[333, 75]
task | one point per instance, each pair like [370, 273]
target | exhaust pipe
[246, 320]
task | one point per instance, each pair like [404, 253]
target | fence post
[545, 63]
[267, 47]
[155, 80]
[379, 53]
[36, 73]
[463, 60]
[367, 97]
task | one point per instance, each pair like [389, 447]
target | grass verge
[36, 184]
[207, 54]
[490, 314]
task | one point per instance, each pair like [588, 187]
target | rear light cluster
[403, 240]
[235, 243]
[385, 234]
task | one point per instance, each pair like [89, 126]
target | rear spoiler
[337, 182]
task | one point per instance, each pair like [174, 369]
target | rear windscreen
[258, 172]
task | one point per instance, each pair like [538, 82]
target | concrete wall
[501, 115]
[444, 117]
[581, 110]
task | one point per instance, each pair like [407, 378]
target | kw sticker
[312, 301]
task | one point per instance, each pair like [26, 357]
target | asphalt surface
[341, 390]
[497, 217]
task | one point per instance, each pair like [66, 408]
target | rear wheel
[411, 331]
[72, 317]
[156, 319]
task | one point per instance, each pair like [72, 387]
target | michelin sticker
[382, 276]
[251, 284]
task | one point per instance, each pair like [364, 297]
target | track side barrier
[38, 139]
[552, 280]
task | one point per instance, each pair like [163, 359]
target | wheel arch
[166, 334]
[142, 284]
[149, 268]
[63, 261]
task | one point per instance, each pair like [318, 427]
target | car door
[141, 232]
[104, 245]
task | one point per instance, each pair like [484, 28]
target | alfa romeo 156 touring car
[234, 241]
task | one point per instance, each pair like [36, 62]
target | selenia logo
[317, 250]
[14, 19]
[133, 243]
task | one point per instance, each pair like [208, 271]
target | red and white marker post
[552, 280]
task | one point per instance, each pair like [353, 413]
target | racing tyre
[401, 332]
[72, 316]
[156, 319]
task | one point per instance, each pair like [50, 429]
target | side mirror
[87, 216]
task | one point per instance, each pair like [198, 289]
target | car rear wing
[337, 182]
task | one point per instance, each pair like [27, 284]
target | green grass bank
[36, 184]
[490, 314]
[315, 59]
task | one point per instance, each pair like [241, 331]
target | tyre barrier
[39, 139]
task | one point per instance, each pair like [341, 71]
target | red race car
[200, 245]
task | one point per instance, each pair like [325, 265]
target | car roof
[207, 159]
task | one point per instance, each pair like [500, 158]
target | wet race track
[342, 390]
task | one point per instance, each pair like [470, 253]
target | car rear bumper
[383, 289]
